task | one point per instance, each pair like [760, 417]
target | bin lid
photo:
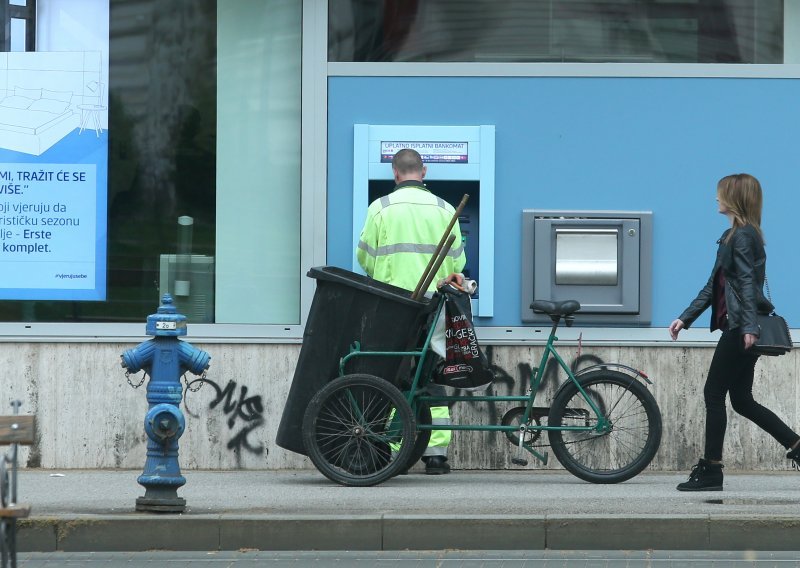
[366, 284]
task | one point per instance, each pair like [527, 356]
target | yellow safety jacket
[401, 233]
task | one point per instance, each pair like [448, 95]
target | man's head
[407, 165]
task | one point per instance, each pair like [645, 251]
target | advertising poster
[54, 151]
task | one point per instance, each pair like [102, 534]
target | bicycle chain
[565, 443]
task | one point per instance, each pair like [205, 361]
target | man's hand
[749, 340]
[455, 278]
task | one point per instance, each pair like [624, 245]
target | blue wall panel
[601, 144]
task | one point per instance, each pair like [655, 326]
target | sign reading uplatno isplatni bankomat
[431, 152]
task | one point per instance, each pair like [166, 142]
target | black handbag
[773, 336]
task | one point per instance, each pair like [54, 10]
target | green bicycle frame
[535, 380]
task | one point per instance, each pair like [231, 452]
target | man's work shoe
[794, 455]
[436, 465]
[705, 476]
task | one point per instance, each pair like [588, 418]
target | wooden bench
[14, 430]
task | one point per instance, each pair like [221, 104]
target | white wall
[89, 417]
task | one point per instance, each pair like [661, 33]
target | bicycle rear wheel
[359, 430]
[621, 450]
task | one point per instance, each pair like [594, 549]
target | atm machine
[460, 159]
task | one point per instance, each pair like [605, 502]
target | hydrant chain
[201, 380]
[128, 376]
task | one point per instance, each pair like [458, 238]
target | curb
[129, 533]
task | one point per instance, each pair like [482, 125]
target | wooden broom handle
[434, 269]
[419, 289]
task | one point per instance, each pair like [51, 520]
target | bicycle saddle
[564, 308]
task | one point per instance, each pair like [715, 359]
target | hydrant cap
[167, 321]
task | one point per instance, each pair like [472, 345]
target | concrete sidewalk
[82, 510]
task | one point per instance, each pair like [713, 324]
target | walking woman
[735, 293]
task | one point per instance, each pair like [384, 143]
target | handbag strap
[766, 283]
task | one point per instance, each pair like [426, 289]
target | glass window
[17, 31]
[204, 162]
[258, 162]
[647, 31]
[18, 25]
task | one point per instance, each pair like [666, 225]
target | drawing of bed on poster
[43, 95]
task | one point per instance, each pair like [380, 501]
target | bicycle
[604, 425]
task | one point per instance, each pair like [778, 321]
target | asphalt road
[419, 559]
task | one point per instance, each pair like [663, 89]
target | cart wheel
[7, 525]
[5, 542]
[423, 436]
[5, 488]
[359, 430]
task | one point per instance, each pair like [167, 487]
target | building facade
[235, 164]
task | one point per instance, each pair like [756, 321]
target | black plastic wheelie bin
[349, 307]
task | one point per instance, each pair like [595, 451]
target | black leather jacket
[744, 261]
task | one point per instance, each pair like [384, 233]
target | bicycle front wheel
[618, 446]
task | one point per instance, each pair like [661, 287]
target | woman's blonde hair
[741, 196]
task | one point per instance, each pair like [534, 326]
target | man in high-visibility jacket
[399, 237]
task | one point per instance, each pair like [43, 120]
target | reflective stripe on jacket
[401, 233]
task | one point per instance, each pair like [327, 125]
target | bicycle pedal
[519, 461]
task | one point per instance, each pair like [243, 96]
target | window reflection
[17, 25]
[162, 151]
[17, 31]
[647, 31]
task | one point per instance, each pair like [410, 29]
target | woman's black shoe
[705, 476]
[794, 455]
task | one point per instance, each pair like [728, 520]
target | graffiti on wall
[520, 381]
[515, 379]
[244, 414]
[244, 411]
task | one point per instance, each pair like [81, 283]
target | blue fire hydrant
[165, 358]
